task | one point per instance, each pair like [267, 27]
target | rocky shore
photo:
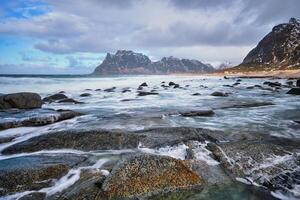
[163, 162]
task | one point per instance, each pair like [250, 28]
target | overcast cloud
[211, 30]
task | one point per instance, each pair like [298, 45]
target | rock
[170, 136]
[80, 140]
[69, 100]
[144, 175]
[290, 83]
[144, 84]
[112, 89]
[124, 100]
[62, 92]
[172, 83]
[30, 179]
[126, 90]
[298, 83]
[40, 121]
[34, 196]
[225, 77]
[259, 161]
[140, 88]
[85, 95]
[176, 86]
[219, 94]
[88, 187]
[227, 85]
[249, 104]
[235, 84]
[140, 93]
[196, 94]
[55, 97]
[98, 89]
[196, 113]
[22, 100]
[294, 91]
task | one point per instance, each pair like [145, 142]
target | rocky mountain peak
[129, 62]
[278, 49]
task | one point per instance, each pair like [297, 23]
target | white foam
[178, 152]
[202, 153]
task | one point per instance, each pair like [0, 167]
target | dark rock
[124, 100]
[225, 77]
[144, 175]
[196, 113]
[227, 85]
[144, 84]
[196, 94]
[62, 92]
[34, 196]
[219, 94]
[69, 100]
[298, 83]
[22, 100]
[112, 89]
[235, 84]
[294, 91]
[172, 83]
[290, 83]
[249, 104]
[176, 86]
[55, 97]
[30, 179]
[126, 90]
[85, 95]
[140, 93]
[140, 88]
[41, 121]
[80, 140]
[98, 89]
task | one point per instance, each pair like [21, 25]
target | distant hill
[128, 62]
[278, 50]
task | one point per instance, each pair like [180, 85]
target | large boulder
[22, 100]
[144, 175]
[55, 97]
[294, 91]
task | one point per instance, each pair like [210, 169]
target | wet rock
[272, 84]
[98, 90]
[144, 175]
[55, 97]
[290, 83]
[112, 89]
[196, 94]
[141, 93]
[245, 104]
[80, 140]
[140, 88]
[195, 113]
[227, 85]
[34, 196]
[62, 92]
[69, 100]
[172, 83]
[225, 77]
[219, 94]
[294, 91]
[258, 161]
[160, 137]
[30, 179]
[144, 84]
[22, 100]
[298, 83]
[176, 86]
[85, 95]
[88, 187]
[124, 100]
[235, 84]
[41, 121]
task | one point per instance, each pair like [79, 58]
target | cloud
[154, 26]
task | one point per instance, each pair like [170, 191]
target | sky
[73, 36]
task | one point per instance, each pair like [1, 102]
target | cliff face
[129, 62]
[280, 49]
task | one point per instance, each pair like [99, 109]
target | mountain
[129, 62]
[280, 49]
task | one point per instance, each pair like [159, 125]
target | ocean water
[108, 110]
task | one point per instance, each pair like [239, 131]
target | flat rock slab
[260, 162]
[143, 175]
[39, 120]
[79, 140]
